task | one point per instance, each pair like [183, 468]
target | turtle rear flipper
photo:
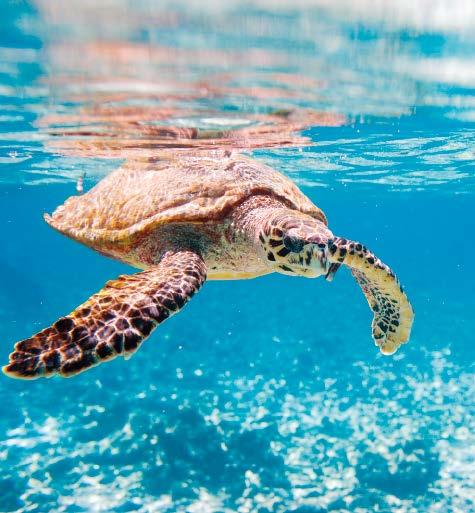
[112, 322]
[393, 314]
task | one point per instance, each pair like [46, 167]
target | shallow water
[265, 395]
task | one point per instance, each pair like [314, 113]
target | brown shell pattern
[140, 196]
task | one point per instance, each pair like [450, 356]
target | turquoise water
[265, 395]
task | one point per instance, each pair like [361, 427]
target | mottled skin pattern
[296, 244]
[393, 314]
[259, 233]
[112, 322]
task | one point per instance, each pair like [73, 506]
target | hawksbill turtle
[182, 220]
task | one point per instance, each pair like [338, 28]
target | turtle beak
[316, 256]
[332, 266]
[332, 269]
[318, 261]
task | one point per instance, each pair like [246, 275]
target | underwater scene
[263, 395]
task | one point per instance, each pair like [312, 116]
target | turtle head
[297, 244]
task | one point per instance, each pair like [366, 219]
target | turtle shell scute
[140, 196]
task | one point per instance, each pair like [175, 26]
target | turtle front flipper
[112, 322]
[393, 314]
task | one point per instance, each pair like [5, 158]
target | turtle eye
[293, 244]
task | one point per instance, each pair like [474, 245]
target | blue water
[265, 395]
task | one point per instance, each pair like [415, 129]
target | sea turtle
[182, 220]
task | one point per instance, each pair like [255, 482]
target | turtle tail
[393, 314]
